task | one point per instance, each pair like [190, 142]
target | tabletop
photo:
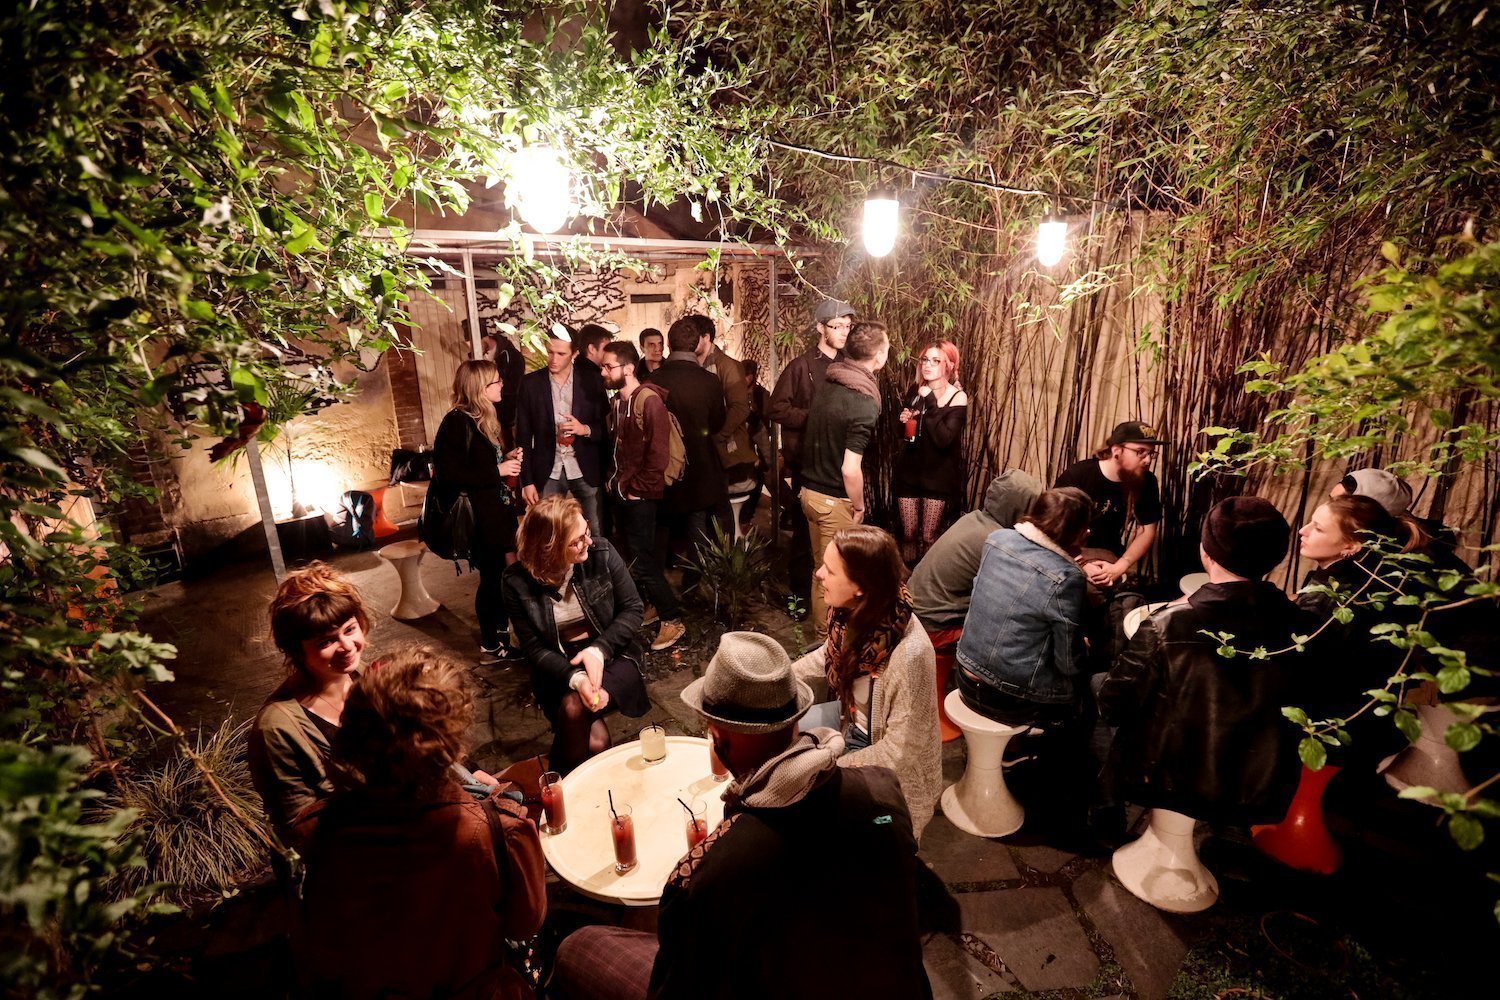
[584, 854]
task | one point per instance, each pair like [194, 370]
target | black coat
[792, 399]
[536, 430]
[696, 399]
[464, 460]
[1202, 734]
[609, 600]
[812, 900]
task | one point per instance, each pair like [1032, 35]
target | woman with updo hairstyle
[413, 886]
[320, 623]
[1346, 539]
[468, 456]
[879, 665]
[576, 611]
[929, 476]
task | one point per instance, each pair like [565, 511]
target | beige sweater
[903, 720]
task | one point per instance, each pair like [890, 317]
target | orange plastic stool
[384, 526]
[1302, 840]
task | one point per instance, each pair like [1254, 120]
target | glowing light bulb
[544, 188]
[882, 213]
[1051, 241]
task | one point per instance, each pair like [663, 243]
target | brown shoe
[649, 615]
[668, 635]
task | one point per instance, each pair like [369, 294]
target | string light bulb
[882, 216]
[1051, 241]
[544, 188]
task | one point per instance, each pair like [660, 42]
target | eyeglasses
[609, 367]
[932, 361]
[839, 324]
[496, 382]
[1143, 452]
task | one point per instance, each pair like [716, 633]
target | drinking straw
[612, 812]
[687, 807]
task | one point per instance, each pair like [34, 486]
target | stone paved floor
[1021, 917]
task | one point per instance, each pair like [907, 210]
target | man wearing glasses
[790, 401]
[1127, 502]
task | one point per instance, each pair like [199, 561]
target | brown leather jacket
[414, 898]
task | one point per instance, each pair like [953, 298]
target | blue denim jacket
[1024, 631]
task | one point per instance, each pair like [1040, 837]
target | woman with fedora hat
[879, 665]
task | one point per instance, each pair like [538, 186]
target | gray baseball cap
[830, 309]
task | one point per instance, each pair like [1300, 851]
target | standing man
[502, 350]
[733, 439]
[1120, 482]
[790, 401]
[696, 399]
[643, 445]
[560, 428]
[839, 427]
[653, 346]
[796, 827]
[591, 340]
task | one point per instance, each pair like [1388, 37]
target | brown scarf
[853, 376]
[874, 651]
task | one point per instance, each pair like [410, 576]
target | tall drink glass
[622, 829]
[555, 810]
[721, 773]
[696, 825]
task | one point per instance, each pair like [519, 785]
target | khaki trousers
[825, 515]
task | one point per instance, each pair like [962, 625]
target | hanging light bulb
[544, 188]
[882, 214]
[1051, 241]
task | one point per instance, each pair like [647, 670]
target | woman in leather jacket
[576, 612]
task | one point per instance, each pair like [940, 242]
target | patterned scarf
[874, 651]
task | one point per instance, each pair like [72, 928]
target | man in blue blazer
[561, 430]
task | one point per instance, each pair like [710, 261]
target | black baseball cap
[1134, 432]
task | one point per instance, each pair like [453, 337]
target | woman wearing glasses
[576, 612]
[468, 457]
[929, 474]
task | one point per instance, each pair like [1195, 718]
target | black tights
[921, 517]
[578, 733]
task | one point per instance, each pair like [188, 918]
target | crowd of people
[361, 768]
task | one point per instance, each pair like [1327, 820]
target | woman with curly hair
[929, 474]
[576, 611]
[320, 623]
[468, 457]
[413, 886]
[879, 664]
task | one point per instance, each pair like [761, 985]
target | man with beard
[1126, 498]
[643, 441]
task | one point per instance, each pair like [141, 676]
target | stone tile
[1040, 857]
[1035, 933]
[954, 760]
[962, 857]
[957, 975]
[1145, 945]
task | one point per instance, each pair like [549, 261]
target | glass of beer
[552, 803]
[622, 829]
[697, 823]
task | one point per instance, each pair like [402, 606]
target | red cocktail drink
[622, 829]
[697, 831]
[552, 802]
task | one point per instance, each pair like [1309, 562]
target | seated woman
[1022, 648]
[412, 885]
[576, 612]
[320, 624]
[879, 664]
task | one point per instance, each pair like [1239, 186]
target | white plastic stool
[1430, 761]
[739, 495]
[415, 601]
[979, 803]
[1162, 867]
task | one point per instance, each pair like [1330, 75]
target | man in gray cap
[796, 827]
[790, 401]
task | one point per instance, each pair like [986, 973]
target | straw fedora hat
[749, 686]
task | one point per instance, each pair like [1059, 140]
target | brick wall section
[406, 395]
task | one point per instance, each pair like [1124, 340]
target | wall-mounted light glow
[544, 188]
[882, 215]
[1051, 241]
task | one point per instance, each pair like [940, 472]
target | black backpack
[448, 532]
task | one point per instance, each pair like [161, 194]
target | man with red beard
[1127, 502]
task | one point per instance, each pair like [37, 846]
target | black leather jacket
[1202, 734]
[610, 602]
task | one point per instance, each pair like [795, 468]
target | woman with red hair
[929, 472]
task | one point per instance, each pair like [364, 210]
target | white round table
[584, 853]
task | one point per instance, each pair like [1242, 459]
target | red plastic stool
[945, 644]
[384, 526]
[1302, 840]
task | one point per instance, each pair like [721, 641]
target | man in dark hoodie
[839, 427]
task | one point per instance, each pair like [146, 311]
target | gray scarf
[788, 777]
